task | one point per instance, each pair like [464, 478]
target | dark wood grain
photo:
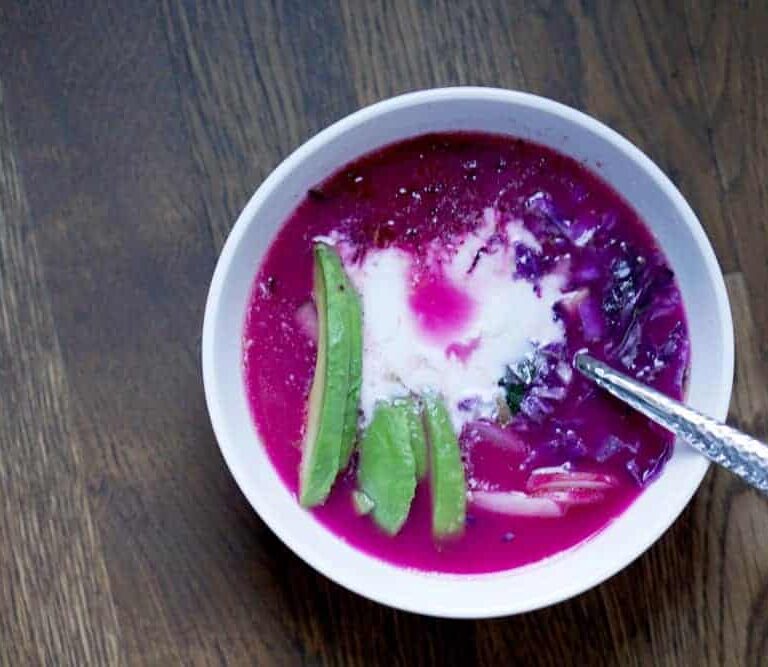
[55, 594]
[131, 135]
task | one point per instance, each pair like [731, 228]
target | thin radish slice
[553, 479]
[306, 318]
[504, 438]
[515, 503]
[570, 497]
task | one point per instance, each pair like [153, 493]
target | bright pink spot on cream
[441, 309]
[462, 351]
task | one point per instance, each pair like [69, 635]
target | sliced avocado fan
[405, 439]
[335, 392]
[447, 480]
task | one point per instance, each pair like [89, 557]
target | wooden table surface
[131, 134]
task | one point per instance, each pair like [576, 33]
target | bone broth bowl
[388, 346]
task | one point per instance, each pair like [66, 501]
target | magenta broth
[627, 311]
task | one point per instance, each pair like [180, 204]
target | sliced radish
[553, 479]
[516, 503]
[570, 497]
[492, 433]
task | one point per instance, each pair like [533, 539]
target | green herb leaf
[513, 395]
[516, 382]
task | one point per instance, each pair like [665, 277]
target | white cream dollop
[508, 319]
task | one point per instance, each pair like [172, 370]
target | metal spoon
[726, 446]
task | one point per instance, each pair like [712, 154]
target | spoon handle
[726, 446]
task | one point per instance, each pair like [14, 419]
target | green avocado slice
[418, 436]
[387, 470]
[330, 386]
[354, 314]
[449, 486]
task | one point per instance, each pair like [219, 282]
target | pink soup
[567, 243]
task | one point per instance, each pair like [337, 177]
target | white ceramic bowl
[631, 173]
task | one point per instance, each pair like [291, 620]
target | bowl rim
[306, 150]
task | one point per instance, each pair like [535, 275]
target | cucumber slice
[449, 486]
[330, 386]
[387, 469]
